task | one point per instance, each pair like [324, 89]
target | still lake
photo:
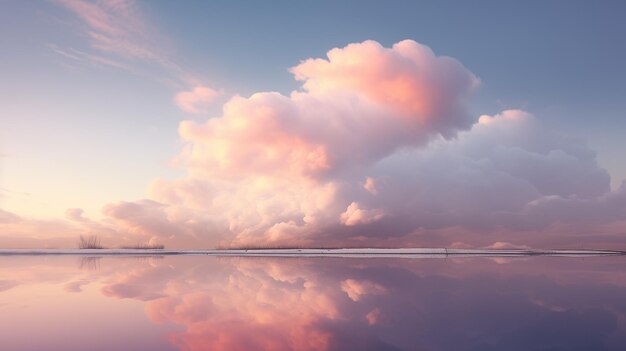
[245, 303]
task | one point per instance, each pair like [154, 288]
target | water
[231, 303]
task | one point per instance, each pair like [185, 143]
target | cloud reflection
[282, 304]
[209, 303]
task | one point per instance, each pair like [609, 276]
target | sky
[229, 123]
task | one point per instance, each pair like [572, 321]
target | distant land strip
[347, 253]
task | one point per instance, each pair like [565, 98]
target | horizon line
[317, 252]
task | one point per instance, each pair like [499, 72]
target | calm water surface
[210, 303]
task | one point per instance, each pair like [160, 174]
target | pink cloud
[75, 214]
[19, 232]
[377, 147]
[370, 185]
[197, 100]
[356, 289]
[373, 317]
[245, 307]
[408, 78]
[114, 26]
[355, 215]
[345, 159]
[341, 118]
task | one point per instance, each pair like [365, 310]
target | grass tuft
[90, 242]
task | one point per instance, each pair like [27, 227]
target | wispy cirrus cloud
[115, 27]
[119, 36]
[78, 56]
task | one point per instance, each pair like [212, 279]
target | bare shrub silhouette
[90, 242]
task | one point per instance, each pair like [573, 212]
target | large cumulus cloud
[377, 145]
[359, 105]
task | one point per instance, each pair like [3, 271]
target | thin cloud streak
[122, 38]
[91, 59]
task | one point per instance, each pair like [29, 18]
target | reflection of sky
[195, 303]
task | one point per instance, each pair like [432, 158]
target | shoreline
[347, 253]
